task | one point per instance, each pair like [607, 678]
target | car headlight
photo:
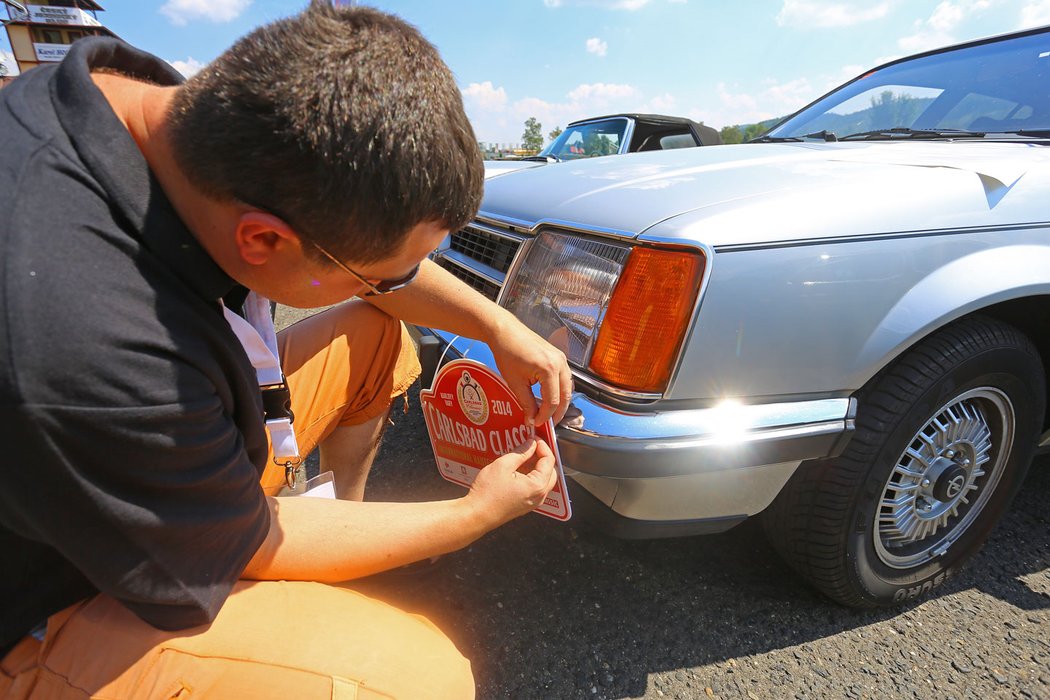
[617, 310]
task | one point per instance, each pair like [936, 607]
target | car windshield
[601, 138]
[998, 87]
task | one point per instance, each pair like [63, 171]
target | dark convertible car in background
[614, 134]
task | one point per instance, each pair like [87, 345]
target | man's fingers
[552, 472]
[551, 397]
[543, 449]
[565, 379]
[543, 471]
[522, 391]
[518, 456]
[526, 448]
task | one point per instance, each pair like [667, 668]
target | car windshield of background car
[995, 87]
[588, 140]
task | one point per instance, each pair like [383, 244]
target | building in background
[44, 31]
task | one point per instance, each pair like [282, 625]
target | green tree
[598, 145]
[889, 110]
[532, 139]
[753, 131]
[555, 134]
[731, 134]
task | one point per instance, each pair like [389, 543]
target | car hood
[754, 193]
[501, 167]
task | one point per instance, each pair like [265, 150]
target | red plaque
[473, 418]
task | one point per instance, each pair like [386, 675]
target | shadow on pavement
[545, 609]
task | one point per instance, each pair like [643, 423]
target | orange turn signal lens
[647, 318]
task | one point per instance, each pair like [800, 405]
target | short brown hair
[345, 122]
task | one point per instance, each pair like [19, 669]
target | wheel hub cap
[949, 485]
[944, 477]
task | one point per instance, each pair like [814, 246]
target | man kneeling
[146, 552]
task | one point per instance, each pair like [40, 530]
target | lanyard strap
[259, 339]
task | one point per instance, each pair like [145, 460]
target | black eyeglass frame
[382, 286]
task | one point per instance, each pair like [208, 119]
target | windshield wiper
[905, 132]
[822, 134]
[1036, 133]
[543, 159]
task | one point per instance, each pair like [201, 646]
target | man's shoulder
[28, 118]
[40, 172]
[88, 309]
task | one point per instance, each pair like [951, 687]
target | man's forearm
[437, 299]
[319, 539]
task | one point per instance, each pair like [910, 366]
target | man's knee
[358, 317]
[270, 640]
[340, 634]
[380, 344]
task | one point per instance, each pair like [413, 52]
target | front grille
[487, 248]
[480, 255]
[477, 282]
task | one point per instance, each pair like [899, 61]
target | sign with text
[51, 14]
[473, 419]
[50, 52]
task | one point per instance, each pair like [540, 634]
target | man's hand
[514, 484]
[524, 359]
[439, 300]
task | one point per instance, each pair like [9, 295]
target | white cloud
[924, 39]
[772, 99]
[497, 119]
[822, 14]
[1035, 14]
[9, 62]
[787, 97]
[946, 17]
[180, 12]
[189, 67]
[485, 96]
[849, 72]
[597, 46]
[664, 103]
[629, 5]
[939, 28]
[601, 92]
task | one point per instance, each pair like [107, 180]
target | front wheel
[944, 437]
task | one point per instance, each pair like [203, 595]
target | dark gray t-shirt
[130, 420]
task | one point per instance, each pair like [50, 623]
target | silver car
[843, 326]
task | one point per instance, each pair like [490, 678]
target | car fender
[956, 289]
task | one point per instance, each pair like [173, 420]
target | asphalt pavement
[551, 610]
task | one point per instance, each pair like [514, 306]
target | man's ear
[260, 235]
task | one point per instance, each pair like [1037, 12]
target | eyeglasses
[380, 287]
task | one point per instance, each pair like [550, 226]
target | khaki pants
[272, 639]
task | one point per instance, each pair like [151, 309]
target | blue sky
[718, 62]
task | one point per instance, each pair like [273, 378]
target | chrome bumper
[685, 471]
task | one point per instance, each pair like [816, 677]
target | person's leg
[344, 366]
[272, 639]
[349, 451]
[18, 669]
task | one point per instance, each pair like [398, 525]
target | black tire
[988, 378]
